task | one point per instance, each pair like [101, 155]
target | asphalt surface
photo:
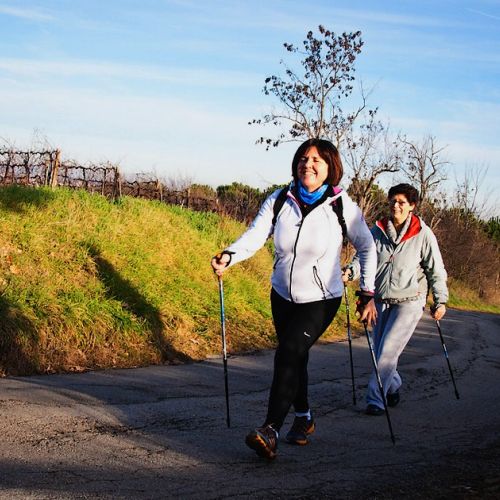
[160, 432]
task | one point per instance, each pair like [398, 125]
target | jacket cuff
[226, 252]
[364, 296]
[435, 306]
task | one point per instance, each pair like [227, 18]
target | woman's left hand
[438, 312]
[369, 313]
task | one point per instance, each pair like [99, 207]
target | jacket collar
[413, 229]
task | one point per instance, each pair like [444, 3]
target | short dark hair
[328, 152]
[407, 190]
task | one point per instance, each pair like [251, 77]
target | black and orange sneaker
[301, 428]
[264, 441]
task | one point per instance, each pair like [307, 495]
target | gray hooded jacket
[408, 264]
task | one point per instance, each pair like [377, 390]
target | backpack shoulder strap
[338, 208]
[278, 203]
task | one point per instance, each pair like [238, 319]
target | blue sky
[168, 86]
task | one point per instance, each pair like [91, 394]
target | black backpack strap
[279, 202]
[338, 208]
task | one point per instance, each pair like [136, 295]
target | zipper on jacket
[294, 257]
[390, 262]
[318, 281]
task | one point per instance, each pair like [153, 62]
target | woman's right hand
[219, 263]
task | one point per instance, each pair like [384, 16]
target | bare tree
[180, 181]
[423, 165]
[468, 196]
[312, 101]
[425, 168]
[40, 141]
[370, 153]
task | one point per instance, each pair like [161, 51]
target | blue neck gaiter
[310, 198]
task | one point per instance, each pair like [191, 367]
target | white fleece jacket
[307, 249]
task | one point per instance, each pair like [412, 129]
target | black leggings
[298, 326]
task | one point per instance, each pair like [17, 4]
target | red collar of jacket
[413, 230]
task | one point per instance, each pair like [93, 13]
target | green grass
[87, 283]
[461, 297]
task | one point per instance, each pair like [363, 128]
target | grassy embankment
[88, 283]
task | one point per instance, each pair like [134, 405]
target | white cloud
[30, 14]
[378, 17]
[485, 14]
[106, 69]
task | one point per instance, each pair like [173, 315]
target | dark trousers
[298, 327]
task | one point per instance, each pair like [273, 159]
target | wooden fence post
[159, 188]
[55, 168]
[117, 187]
[48, 164]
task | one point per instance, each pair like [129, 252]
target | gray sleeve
[433, 266]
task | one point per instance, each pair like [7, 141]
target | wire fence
[45, 168]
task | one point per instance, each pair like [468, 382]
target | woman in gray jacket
[306, 281]
[409, 263]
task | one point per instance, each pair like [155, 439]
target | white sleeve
[361, 237]
[256, 235]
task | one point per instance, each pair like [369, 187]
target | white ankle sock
[304, 414]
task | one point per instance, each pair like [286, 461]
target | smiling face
[312, 170]
[400, 208]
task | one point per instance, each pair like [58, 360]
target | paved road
[160, 432]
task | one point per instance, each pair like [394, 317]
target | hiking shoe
[301, 428]
[393, 399]
[374, 410]
[264, 441]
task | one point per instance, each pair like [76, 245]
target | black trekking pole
[349, 338]
[379, 381]
[224, 350]
[447, 358]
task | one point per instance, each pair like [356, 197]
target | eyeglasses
[398, 202]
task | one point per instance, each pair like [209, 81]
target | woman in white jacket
[306, 282]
